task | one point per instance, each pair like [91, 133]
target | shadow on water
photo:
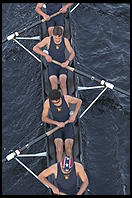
[101, 40]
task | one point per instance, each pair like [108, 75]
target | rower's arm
[38, 9]
[65, 7]
[74, 100]
[83, 176]
[47, 172]
[37, 47]
[68, 5]
[70, 49]
[45, 112]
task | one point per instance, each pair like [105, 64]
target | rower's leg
[62, 79]
[53, 81]
[68, 146]
[59, 148]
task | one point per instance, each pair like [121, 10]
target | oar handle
[53, 15]
[67, 67]
[52, 131]
[55, 129]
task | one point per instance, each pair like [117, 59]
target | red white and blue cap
[67, 163]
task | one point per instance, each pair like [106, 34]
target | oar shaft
[31, 26]
[4, 40]
[17, 152]
[40, 138]
[121, 91]
[77, 71]
[55, 129]
[102, 82]
[10, 37]
[107, 84]
[87, 75]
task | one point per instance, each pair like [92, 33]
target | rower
[59, 107]
[56, 46]
[52, 8]
[65, 173]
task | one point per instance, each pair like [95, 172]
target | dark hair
[54, 94]
[57, 31]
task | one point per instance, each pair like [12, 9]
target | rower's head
[67, 163]
[57, 34]
[55, 96]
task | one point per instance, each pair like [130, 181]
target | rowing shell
[73, 91]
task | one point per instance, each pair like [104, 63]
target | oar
[17, 152]
[10, 37]
[102, 82]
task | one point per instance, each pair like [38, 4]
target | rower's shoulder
[66, 40]
[67, 96]
[46, 39]
[50, 170]
[78, 165]
[47, 100]
[46, 103]
[54, 168]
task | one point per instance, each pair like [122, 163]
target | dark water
[101, 39]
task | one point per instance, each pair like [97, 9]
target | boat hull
[72, 82]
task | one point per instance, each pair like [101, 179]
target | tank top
[53, 7]
[57, 51]
[60, 113]
[67, 183]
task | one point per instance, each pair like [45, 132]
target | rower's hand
[55, 190]
[63, 9]
[60, 124]
[72, 118]
[48, 58]
[46, 17]
[64, 64]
